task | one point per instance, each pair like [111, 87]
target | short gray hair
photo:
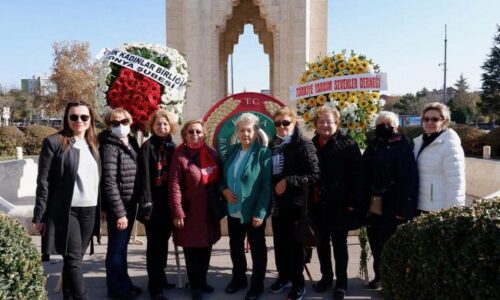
[248, 118]
[388, 115]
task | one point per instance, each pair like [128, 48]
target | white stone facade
[206, 31]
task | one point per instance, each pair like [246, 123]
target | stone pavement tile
[219, 273]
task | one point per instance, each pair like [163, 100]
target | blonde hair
[442, 109]
[186, 125]
[286, 111]
[116, 111]
[327, 110]
[162, 113]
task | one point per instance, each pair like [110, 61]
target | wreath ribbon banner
[357, 82]
[166, 77]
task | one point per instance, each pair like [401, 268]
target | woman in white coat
[441, 162]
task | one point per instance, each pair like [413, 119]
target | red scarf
[208, 166]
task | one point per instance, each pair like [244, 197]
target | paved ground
[219, 273]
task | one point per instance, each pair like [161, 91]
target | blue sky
[404, 37]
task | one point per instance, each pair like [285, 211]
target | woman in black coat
[67, 195]
[294, 162]
[338, 197]
[392, 182]
[119, 153]
[154, 211]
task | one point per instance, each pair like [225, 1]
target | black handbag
[306, 232]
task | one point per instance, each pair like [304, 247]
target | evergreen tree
[491, 79]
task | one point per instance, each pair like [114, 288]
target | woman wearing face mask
[194, 170]
[154, 212]
[246, 186]
[338, 197]
[441, 162]
[67, 203]
[392, 180]
[119, 153]
[294, 162]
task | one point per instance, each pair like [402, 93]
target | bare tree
[74, 74]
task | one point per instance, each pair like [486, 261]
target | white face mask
[120, 131]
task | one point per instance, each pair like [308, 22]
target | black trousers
[289, 254]
[156, 255]
[197, 261]
[377, 237]
[80, 228]
[257, 240]
[339, 240]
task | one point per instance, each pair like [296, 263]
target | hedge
[452, 254]
[10, 138]
[34, 135]
[22, 275]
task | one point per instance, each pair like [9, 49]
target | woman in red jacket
[193, 171]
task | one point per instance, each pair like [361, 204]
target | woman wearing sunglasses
[154, 212]
[119, 186]
[294, 162]
[441, 162]
[193, 171]
[67, 204]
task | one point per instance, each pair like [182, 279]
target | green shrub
[452, 254]
[34, 135]
[492, 139]
[22, 274]
[10, 138]
[471, 138]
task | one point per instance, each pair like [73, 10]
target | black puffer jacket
[300, 163]
[341, 184]
[153, 194]
[119, 169]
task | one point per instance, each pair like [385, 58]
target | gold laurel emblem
[217, 116]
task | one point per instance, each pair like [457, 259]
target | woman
[119, 153]
[67, 203]
[441, 162]
[194, 170]
[392, 180]
[247, 188]
[294, 162]
[338, 197]
[154, 212]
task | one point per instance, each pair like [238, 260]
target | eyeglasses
[192, 131]
[285, 123]
[124, 122]
[432, 119]
[74, 118]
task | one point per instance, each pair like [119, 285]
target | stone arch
[291, 31]
[245, 12]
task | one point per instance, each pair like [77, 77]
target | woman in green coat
[246, 186]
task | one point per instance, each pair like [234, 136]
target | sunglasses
[432, 119]
[192, 131]
[74, 118]
[285, 123]
[115, 123]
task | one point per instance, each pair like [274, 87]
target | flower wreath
[122, 86]
[357, 108]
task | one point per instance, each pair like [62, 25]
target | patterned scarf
[209, 168]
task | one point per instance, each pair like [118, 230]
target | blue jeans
[117, 279]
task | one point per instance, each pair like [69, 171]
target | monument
[206, 31]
